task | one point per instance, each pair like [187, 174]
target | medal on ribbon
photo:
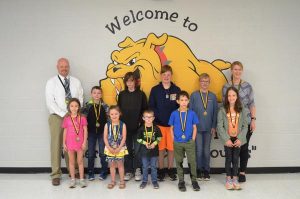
[76, 128]
[234, 121]
[97, 114]
[183, 123]
[204, 102]
[149, 135]
[116, 132]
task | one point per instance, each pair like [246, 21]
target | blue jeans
[152, 162]
[92, 140]
[203, 140]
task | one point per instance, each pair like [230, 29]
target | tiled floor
[258, 186]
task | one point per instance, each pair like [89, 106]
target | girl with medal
[115, 147]
[97, 118]
[75, 139]
[232, 129]
[205, 105]
[246, 95]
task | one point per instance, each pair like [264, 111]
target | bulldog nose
[115, 69]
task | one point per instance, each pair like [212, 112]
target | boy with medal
[205, 105]
[149, 136]
[96, 117]
[183, 128]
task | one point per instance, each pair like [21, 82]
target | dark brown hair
[182, 94]
[166, 68]
[74, 100]
[130, 75]
[237, 105]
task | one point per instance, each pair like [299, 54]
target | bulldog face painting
[145, 58]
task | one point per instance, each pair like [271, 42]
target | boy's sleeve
[171, 119]
[195, 118]
[158, 136]
[140, 136]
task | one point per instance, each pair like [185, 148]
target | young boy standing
[183, 128]
[162, 101]
[149, 136]
[205, 105]
[96, 118]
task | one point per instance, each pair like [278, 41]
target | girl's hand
[237, 143]
[83, 146]
[65, 148]
[111, 150]
[229, 143]
[117, 150]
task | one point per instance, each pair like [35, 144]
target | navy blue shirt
[191, 120]
[163, 102]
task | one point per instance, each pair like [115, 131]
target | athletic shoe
[229, 185]
[155, 185]
[72, 183]
[91, 177]
[82, 183]
[206, 176]
[236, 184]
[195, 186]
[138, 175]
[242, 178]
[102, 176]
[143, 185]
[128, 176]
[181, 186]
[172, 175]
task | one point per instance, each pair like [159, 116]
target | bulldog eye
[115, 63]
[131, 62]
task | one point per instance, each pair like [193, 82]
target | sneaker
[72, 183]
[82, 183]
[242, 178]
[172, 175]
[143, 185]
[200, 175]
[181, 186]
[102, 176]
[160, 175]
[195, 186]
[236, 184]
[128, 176]
[206, 176]
[138, 175]
[155, 185]
[91, 177]
[229, 185]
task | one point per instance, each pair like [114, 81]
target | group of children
[141, 133]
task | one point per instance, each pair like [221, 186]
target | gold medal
[149, 135]
[97, 124]
[76, 128]
[204, 102]
[183, 136]
[77, 139]
[97, 114]
[183, 123]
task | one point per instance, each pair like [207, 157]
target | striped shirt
[246, 95]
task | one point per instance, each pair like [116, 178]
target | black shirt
[91, 119]
[142, 139]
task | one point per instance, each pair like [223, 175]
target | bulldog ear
[126, 43]
[152, 39]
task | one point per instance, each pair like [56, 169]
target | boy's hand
[237, 143]
[229, 143]
[152, 146]
[213, 132]
[147, 145]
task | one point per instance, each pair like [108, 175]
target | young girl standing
[115, 148]
[74, 139]
[232, 129]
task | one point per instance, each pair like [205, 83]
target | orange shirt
[233, 124]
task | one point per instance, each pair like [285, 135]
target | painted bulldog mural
[145, 58]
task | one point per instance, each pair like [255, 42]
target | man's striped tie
[67, 89]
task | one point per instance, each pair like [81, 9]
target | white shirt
[55, 94]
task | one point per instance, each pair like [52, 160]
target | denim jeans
[152, 162]
[92, 140]
[232, 158]
[203, 140]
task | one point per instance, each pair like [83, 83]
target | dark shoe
[91, 177]
[195, 186]
[181, 186]
[161, 175]
[206, 176]
[242, 178]
[143, 185]
[155, 185]
[56, 181]
[172, 175]
[200, 175]
[103, 176]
